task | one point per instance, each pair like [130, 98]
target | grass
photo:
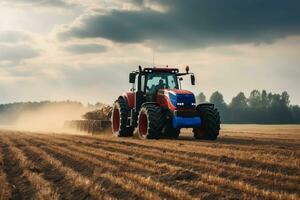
[246, 162]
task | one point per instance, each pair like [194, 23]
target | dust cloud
[48, 118]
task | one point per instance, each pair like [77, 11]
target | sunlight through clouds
[88, 47]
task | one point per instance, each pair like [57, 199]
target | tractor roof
[161, 69]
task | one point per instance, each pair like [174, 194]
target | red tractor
[157, 106]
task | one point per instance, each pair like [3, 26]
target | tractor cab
[149, 81]
[158, 106]
[159, 81]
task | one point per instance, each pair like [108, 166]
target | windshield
[157, 81]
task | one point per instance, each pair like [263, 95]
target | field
[246, 162]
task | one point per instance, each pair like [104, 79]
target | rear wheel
[119, 119]
[150, 122]
[210, 125]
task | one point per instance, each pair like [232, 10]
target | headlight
[180, 104]
[193, 104]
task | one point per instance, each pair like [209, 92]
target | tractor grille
[187, 100]
[186, 113]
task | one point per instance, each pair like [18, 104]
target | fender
[129, 98]
[205, 104]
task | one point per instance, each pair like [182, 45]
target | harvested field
[246, 162]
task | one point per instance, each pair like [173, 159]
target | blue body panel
[186, 122]
[187, 100]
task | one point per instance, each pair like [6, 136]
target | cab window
[161, 81]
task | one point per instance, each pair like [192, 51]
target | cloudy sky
[84, 49]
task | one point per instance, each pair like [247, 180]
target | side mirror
[132, 77]
[193, 79]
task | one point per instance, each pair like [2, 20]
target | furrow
[138, 165]
[103, 172]
[44, 189]
[55, 176]
[233, 185]
[123, 171]
[5, 189]
[227, 170]
[215, 148]
[71, 184]
[145, 167]
[21, 187]
[269, 162]
[274, 168]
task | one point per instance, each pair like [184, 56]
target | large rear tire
[119, 119]
[150, 122]
[210, 125]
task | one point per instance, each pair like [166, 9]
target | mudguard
[129, 99]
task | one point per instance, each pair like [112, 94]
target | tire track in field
[223, 174]
[113, 185]
[76, 171]
[278, 183]
[126, 173]
[129, 174]
[236, 185]
[284, 149]
[44, 189]
[5, 189]
[213, 179]
[21, 186]
[247, 163]
[63, 187]
[250, 163]
[149, 169]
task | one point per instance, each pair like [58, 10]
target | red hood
[177, 91]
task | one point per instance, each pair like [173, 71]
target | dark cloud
[85, 48]
[17, 53]
[194, 23]
[52, 3]
[13, 37]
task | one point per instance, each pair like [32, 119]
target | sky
[83, 50]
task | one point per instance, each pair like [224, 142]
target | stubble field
[246, 162]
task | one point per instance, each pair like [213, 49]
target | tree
[255, 99]
[285, 99]
[264, 99]
[218, 100]
[295, 110]
[201, 98]
[240, 101]
[238, 109]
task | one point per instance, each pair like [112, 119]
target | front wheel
[210, 125]
[150, 122]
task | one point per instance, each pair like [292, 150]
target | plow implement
[94, 122]
[89, 126]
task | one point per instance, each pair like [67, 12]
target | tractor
[158, 107]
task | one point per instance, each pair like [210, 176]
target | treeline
[260, 107]
[10, 112]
